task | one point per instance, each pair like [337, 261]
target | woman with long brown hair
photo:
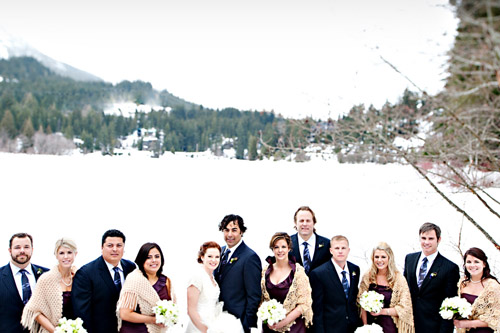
[482, 290]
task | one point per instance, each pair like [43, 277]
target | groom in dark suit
[309, 249]
[97, 285]
[431, 278]
[335, 291]
[239, 273]
[17, 282]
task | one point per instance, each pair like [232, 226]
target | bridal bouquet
[271, 312]
[70, 326]
[166, 312]
[455, 307]
[371, 301]
[373, 328]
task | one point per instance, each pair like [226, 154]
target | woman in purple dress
[482, 290]
[143, 287]
[383, 277]
[287, 282]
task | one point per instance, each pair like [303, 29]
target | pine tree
[28, 129]
[7, 124]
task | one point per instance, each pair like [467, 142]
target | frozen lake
[178, 201]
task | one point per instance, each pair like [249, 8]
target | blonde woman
[384, 278]
[286, 281]
[51, 299]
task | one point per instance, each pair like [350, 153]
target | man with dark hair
[17, 282]
[309, 249]
[97, 285]
[431, 278]
[239, 273]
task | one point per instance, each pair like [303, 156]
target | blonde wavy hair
[392, 271]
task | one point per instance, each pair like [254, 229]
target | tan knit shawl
[47, 299]
[400, 300]
[486, 306]
[137, 290]
[299, 295]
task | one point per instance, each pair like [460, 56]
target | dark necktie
[117, 280]
[225, 257]
[422, 272]
[25, 286]
[307, 258]
[345, 284]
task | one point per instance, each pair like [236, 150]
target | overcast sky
[299, 58]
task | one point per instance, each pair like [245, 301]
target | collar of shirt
[17, 277]
[339, 270]
[112, 271]
[430, 261]
[233, 249]
[311, 245]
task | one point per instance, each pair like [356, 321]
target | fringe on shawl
[138, 291]
[46, 299]
[485, 307]
[28, 320]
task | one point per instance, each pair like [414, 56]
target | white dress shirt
[17, 278]
[112, 271]
[339, 270]
[430, 261]
[233, 249]
[311, 246]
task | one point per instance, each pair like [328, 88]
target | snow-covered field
[178, 201]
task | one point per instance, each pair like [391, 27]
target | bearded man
[17, 282]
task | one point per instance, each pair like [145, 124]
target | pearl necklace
[471, 281]
[70, 281]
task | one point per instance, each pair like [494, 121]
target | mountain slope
[11, 46]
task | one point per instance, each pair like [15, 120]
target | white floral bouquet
[271, 312]
[373, 328]
[371, 301]
[166, 312]
[70, 326]
[455, 307]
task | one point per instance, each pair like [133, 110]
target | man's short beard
[28, 258]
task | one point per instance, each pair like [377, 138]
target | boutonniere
[39, 271]
[433, 274]
[321, 245]
[232, 260]
[353, 274]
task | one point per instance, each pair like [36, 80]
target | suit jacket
[321, 251]
[332, 312]
[94, 295]
[440, 282]
[239, 282]
[11, 303]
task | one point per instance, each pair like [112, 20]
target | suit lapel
[232, 261]
[105, 274]
[412, 270]
[332, 273]
[295, 246]
[318, 249]
[10, 284]
[37, 271]
[433, 271]
[217, 271]
[353, 280]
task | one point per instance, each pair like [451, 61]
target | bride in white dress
[204, 309]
